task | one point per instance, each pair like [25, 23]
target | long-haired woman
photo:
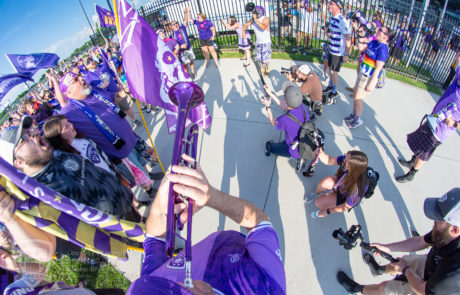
[345, 189]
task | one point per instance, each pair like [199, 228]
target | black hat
[338, 3]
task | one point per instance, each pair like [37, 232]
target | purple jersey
[84, 125]
[229, 261]
[99, 76]
[291, 128]
[171, 43]
[449, 101]
[181, 36]
[204, 29]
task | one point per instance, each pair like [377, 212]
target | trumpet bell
[186, 94]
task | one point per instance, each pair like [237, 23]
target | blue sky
[30, 26]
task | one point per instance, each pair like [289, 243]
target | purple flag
[151, 67]
[106, 18]
[7, 82]
[29, 64]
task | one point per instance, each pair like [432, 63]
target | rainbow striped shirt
[376, 51]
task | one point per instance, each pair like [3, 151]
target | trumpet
[186, 95]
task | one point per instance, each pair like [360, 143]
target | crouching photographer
[437, 272]
[310, 86]
[293, 106]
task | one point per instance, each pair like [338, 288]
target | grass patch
[72, 272]
[349, 65]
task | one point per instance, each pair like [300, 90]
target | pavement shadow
[386, 185]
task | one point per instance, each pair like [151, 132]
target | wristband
[328, 211]
[267, 108]
[405, 269]
[456, 125]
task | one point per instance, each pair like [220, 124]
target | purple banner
[151, 67]
[106, 17]
[7, 82]
[29, 64]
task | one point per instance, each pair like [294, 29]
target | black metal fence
[431, 41]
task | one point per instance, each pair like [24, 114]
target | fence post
[422, 20]
[435, 33]
[199, 6]
[278, 14]
[410, 14]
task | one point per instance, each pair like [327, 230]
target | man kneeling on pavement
[438, 272]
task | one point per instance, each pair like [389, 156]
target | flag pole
[115, 10]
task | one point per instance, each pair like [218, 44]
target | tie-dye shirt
[375, 51]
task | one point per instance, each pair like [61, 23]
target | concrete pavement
[231, 153]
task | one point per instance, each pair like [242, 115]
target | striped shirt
[338, 28]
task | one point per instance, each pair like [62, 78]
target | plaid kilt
[422, 142]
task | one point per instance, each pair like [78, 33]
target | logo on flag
[106, 18]
[29, 64]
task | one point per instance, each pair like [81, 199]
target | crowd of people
[75, 135]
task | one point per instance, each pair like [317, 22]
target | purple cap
[66, 80]
[147, 285]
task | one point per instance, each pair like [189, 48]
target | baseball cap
[338, 3]
[292, 95]
[445, 208]
[159, 30]
[11, 136]
[304, 69]
[66, 80]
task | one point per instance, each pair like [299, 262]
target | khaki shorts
[361, 81]
[417, 264]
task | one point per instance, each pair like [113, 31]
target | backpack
[373, 177]
[381, 79]
[309, 137]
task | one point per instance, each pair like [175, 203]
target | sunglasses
[27, 134]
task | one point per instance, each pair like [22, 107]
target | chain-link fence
[424, 47]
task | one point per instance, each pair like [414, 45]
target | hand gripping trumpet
[186, 95]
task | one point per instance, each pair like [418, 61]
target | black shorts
[334, 62]
[340, 199]
[397, 53]
[206, 42]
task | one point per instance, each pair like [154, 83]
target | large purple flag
[29, 64]
[7, 82]
[106, 18]
[151, 67]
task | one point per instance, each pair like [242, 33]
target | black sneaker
[310, 171]
[375, 268]
[349, 285]
[327, 89]
[268, 147]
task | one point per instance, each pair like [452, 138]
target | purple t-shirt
[101, 74]
[291, 128]
[375, 51]
[181, 36]
[451, 100]
[204, 29]
[401, 38]
[84, 125]
[229, 261]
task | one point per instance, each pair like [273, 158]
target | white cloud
[66, 46]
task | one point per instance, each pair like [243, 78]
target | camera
[292, 70]
[348, 239]
[368, 27]
[251, 7]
